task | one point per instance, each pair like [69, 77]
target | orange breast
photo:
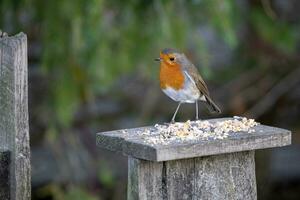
[171, 75]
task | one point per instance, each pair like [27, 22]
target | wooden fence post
[210, 169]
[14, 130]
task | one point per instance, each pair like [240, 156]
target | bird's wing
[193, 72]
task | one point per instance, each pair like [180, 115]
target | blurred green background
[91, 69]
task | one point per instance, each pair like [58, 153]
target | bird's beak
[157, 59]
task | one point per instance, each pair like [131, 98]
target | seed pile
[197, 130]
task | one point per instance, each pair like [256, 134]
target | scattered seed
[197, 130]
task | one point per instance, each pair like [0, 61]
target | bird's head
[170, 57]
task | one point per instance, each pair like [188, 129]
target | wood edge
[105, 142]
[144, 152]
[282, 144]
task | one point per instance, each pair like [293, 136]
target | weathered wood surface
[4, 175]
[145, 179]
[227, 176]
[130, 142]
[14, 130]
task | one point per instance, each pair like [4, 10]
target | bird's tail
[211, 105]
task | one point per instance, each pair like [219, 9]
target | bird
[181, 81]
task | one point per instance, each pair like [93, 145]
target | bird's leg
[173, 118]
[197, 116]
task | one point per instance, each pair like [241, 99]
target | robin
[181, 81]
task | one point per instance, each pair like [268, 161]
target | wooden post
[194, 169]
[14, 130]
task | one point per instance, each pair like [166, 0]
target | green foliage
[88, 45]
[76, 193]
[106, 176]
[70, 193]
[276, 32]
[223, 15]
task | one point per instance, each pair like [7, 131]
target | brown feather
[201, 85]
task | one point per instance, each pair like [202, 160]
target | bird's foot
[197, 119]
[3, 34]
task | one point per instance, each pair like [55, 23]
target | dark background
[91, 69]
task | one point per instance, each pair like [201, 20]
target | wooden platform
[131, 142]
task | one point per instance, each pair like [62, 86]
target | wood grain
[227, 176]
[180, 179]
[220, 177]
[14, 128]
[144, 179]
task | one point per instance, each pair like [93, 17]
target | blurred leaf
[223, 16]
[71, 193]
[77, 193]
[106, 176]
[276, 32]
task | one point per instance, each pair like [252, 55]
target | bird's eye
[172, 59]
